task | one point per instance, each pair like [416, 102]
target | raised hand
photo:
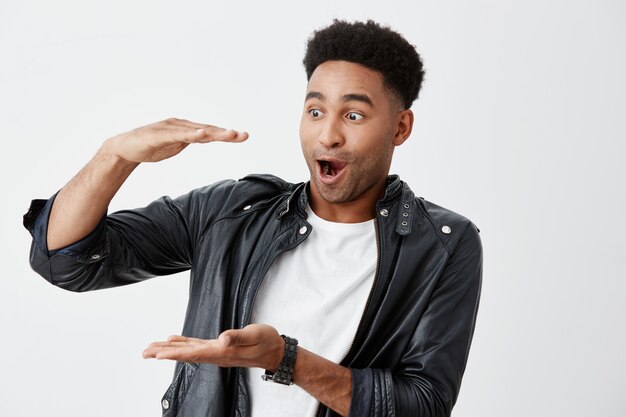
[164, 139]
[82, 202]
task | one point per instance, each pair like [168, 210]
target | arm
[260, 346]
[82, 202]
[426, 382]
[77, 248]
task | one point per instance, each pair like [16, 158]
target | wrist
[277, 354]
[108, 151]
[283, 373]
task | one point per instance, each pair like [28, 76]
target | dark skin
[260, 346]
[349, 118]
[352, 119]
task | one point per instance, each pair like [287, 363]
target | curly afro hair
[371, 45]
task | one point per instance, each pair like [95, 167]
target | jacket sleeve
[427, 381]
[125, 247]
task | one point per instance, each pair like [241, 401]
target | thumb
[226, 338]
[235, 337]
[248, 336]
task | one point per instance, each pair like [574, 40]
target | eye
[315, 112]
[354, 116]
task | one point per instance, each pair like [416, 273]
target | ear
[404, 128]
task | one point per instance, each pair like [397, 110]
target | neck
[358, 210]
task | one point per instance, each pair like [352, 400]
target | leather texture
[410, 350]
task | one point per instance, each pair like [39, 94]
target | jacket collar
[396, 191]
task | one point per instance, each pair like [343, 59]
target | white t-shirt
[315, 293]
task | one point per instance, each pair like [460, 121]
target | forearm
[82, 202]
[330, 383]
[260, 346]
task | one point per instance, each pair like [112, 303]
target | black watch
[284, 373]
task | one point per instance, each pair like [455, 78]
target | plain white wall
[520, 126]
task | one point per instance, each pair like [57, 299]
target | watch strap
[284, 373]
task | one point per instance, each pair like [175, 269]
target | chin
[335, 195]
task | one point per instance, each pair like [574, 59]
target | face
[349, 128]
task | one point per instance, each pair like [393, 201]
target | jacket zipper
[256, 290]
[246, 320]
[318, 413]
[371, 294]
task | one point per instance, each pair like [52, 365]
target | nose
[331, 135]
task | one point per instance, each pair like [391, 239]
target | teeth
[326, 168]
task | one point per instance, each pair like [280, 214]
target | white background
[520, 127]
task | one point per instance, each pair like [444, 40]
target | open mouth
[330, 168]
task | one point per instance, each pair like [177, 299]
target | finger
[241, 136]
[222, 135]
[153, 349]
[185, 354]
[173, 132]
[170, 344]
[177, 338]
[186, 127]
[207, 353]
[202, 136]
[160, 351]
[210, 129]
[232, 135]
[192, 136]
[187, 123]
[149, 352]
[176, 134]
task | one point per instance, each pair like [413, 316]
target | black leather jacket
[410, 350]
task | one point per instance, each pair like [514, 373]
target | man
[375, 290]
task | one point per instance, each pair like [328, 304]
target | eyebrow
[345, 98]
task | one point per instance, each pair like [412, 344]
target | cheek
[307, 133]
[303, 130]
[377, 148]
[376, 143]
